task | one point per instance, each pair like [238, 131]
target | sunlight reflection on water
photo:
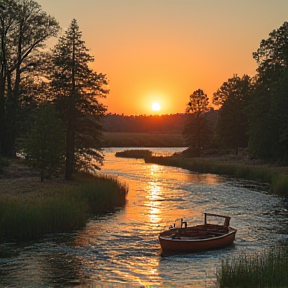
[122, 249]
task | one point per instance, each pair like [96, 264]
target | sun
[155, 106]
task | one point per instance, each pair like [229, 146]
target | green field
[123, 139]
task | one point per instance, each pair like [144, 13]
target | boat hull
[168, 243]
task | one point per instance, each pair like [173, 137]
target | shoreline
[19, 179]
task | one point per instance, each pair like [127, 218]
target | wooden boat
[206, 236]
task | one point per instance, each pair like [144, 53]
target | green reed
[60, 210]
[266, 269]
[278, 182]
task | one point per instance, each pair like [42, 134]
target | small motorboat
[206, 236]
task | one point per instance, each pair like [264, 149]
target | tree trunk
[70, 135]
[2, 91]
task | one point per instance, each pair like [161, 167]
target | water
[121, 249]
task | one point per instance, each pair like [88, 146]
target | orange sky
[163, 50]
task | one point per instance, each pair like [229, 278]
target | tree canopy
[232, 124]
[24, 28]
[269, 94]
[197, 131]
[77, 89]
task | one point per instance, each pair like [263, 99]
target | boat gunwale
[191, 239]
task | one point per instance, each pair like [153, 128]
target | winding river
[121, 249]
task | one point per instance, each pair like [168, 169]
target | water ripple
[122, 249]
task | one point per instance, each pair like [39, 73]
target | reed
[60, 210]
[280, 185]
[266, 269]
[102, 193]
[277, 181]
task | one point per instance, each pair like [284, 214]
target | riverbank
[239, 166]
[30, 208]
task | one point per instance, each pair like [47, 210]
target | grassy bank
[122, 139]
[278, 181]
[266, 269]
[61, 209]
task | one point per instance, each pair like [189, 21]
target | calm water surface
[121, 249]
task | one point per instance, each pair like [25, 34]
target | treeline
[253, 110]
[172, 123]
[49, 99]
[50, 107]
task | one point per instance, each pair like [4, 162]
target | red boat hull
[182, 243]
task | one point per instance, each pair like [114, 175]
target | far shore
[19, 179]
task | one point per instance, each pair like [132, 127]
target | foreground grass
[59, 210]
[277, 181]
[266, 269]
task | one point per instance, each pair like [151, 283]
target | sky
[163, 50]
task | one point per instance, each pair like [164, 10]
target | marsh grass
[59, 210]
[259, 270]
[278, 182]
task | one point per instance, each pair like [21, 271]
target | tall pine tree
[77, 89]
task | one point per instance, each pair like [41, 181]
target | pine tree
[77, 89]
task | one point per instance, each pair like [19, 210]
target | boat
[207, 236]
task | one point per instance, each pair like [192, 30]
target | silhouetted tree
[232, 124]
[24, 27]
[44, 144]
[197, 131]
[77, 89]
[279, 108]
[272, 59]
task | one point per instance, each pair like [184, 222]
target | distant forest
[51, 110]
[172, 123]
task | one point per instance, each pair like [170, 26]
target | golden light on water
[154, 195]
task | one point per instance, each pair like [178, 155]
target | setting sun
[155, 106]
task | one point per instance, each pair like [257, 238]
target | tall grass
[278, 182]
[266, 269]
[61, 210]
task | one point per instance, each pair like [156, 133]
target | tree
[24, 28]
[197, 131]
[279, 113]
[44, 145]
[272, 59]
[77, 89]
[232, 125]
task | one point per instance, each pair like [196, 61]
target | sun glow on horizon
[156, 106]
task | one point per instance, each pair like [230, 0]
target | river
[120, 249]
